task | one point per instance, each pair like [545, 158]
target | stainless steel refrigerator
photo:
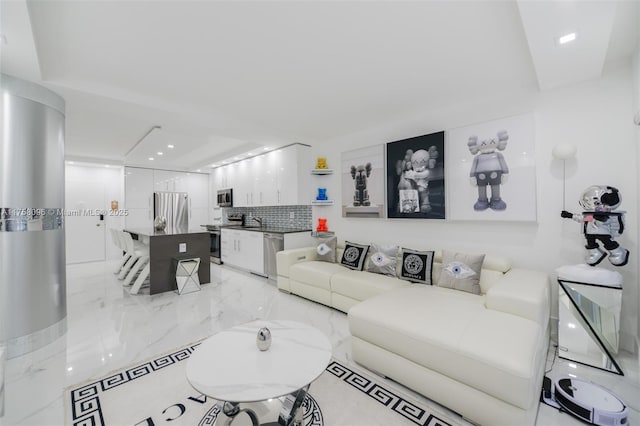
[174, 207]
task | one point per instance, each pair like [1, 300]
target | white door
[84, 231]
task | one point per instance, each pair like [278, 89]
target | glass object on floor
[187, 280]
[589, 302]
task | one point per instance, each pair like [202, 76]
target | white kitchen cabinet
[293, 182]
[252, 251]
[280, 177]
[243, 249]
[242, 183]
[266, 182]
[219, 179]
[228, 246]
[197, 186]
[138, 197]
[138, 188]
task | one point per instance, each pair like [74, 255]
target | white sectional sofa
[482, 356]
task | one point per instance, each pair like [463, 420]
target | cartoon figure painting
[415, 177]
[363, 182]
[489, 169]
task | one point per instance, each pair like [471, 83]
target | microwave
[225, 198]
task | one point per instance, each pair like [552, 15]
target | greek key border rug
[157, 392]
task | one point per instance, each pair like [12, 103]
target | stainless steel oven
[225, 198]
[214, 243]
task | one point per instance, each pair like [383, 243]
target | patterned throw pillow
[326, 250]
[354, 255]
[416, 266]
[461, 271]
[382, 259]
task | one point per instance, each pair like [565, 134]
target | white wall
[636, 110]
[112, 178]
[593, 115]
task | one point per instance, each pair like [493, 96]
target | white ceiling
[225, 77]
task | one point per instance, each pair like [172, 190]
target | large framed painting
[363, 182]
[491, 170]
[415, 177]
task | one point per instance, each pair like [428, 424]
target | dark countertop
[151, 232]
[267, 228]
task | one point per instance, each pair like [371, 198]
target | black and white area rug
[156, 392]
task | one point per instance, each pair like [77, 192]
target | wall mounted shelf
[322, 203]
[322, 234]
[322, 171]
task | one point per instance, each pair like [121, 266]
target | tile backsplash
[277, 216]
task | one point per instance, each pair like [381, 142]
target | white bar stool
[139, 253]
[117, 241]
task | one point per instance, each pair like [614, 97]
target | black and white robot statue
[601, 223]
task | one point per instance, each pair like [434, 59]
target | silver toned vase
[160, 223]
[263, 339]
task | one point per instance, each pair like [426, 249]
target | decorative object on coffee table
[263, 339]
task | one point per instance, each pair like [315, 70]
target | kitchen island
[164, 246]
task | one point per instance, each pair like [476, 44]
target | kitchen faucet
[258, 219]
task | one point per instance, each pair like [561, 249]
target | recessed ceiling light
[236, 158]
[567, 38]
[71, 162]
[150, 158]
[225, 162]
[250, 153]
[106, 165]
[160, 153]
[170, 146]
[198, 170]
[266, 148]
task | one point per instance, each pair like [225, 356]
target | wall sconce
[564, 152]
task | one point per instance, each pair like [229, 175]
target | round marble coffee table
[229, 367]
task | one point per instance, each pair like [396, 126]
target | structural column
[32, 252]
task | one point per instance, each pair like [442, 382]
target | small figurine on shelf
[321, 163]
[322, 225]
[322, 194]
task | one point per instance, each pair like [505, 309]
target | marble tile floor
[108, 329]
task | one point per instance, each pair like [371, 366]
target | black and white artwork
[363, 182]
[415, 177]
[491, 170]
